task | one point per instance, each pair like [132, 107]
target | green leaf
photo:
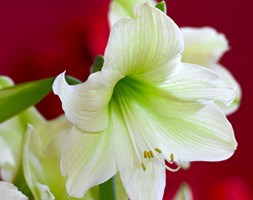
[97, 64]
[162, 6]
[15, 99]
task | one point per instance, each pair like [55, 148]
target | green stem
[107, 190]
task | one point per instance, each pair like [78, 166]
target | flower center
[132, 99]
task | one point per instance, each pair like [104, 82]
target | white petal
[203, 46]
[193, 82]
[33, 159]
[145, 45]
[7, 161]
[9, 192]
[87, 160]
[203, 136]
[45, 193]
[139, 184]
[86, 104]
[230, 81]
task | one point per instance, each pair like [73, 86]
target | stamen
[145, 154]
[143, 167]
[158, 150]
[151, 154]
[171, 157]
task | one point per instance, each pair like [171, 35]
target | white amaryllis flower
[203, 46]
[41, 161]
[144, 108]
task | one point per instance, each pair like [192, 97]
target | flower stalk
[107, 190]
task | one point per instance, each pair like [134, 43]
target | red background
[43, 38]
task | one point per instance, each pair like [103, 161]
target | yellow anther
[148, 154]
[158, 150]
[145, 154]
[171, 157]
[143, 166]
[151, 154]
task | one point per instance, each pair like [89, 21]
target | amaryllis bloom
[41, 161]
[202, 46]
[143, 108]
[205, 46]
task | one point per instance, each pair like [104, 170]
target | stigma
[158, 154]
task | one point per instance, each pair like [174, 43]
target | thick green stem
[107, 190]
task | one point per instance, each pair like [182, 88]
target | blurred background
[39, 39]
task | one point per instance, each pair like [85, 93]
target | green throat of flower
[132, 100]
